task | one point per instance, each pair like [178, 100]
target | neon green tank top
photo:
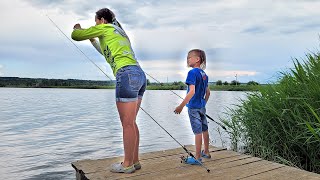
[114, 44]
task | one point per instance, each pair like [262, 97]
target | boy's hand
[178, 109]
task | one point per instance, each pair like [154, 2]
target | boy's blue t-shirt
[198, 78]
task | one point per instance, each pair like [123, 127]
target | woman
[115, 46]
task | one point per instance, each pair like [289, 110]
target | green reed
[281, 121]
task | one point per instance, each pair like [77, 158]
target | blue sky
[254, 40]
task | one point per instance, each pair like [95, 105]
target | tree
[234, 82]
[226, 83]
[219, 83]
[148, 82]
[252, 83]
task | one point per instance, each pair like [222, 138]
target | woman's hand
[77, 26]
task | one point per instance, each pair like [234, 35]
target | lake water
[43, 130]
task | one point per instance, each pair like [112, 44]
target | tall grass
[281, 122]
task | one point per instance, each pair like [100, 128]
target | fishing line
[77, 47]
[223, 127]
[191, 114]
[187, 151]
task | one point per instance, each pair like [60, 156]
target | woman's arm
[79, 34]
[95, 44]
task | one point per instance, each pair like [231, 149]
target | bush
[234, 82]
[219, 83]
[252, 83]
[281, 122]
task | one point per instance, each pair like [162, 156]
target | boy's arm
[186, 99]
[207, 94]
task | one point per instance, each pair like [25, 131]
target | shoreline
[155, 87]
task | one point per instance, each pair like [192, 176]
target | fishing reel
[183, 159]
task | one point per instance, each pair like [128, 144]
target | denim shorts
[131, 83]
[198, 120]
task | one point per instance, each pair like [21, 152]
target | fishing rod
[77, 47]
[187, 151]
[223, 127]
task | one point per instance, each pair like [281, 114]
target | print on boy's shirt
[203, 74]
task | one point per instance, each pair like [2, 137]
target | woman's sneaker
[137, 165]
[119, 168]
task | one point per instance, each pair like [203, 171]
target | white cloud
[1, 70]
[161, 70]
[217, 74]
[255, 36]
[177, 71]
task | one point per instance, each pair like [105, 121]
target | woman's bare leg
[128, 112]
[136, 149]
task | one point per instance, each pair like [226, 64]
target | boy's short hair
[202, 55]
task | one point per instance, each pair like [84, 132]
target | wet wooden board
[167, 164]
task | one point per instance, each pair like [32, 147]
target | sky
[244, 40]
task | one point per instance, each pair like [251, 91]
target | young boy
[197, 96]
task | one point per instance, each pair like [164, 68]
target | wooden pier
[167, 165]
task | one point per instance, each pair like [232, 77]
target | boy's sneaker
[119, 168]
[205, 155]
[137, 165]
[192, 161]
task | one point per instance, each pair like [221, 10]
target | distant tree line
[90, 84]
[166, 86]
[41, 82]
[234, 82]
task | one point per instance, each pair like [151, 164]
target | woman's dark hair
[105, 13]
[108, 15]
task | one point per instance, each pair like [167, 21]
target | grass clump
[280, 122]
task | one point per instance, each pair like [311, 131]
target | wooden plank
[196, 172]
[166, 165]
[160, 166]
[245, 170]
[93, 166]
[189, 171]
[286, 173]
[84, 163]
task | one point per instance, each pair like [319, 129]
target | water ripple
[43, 130]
